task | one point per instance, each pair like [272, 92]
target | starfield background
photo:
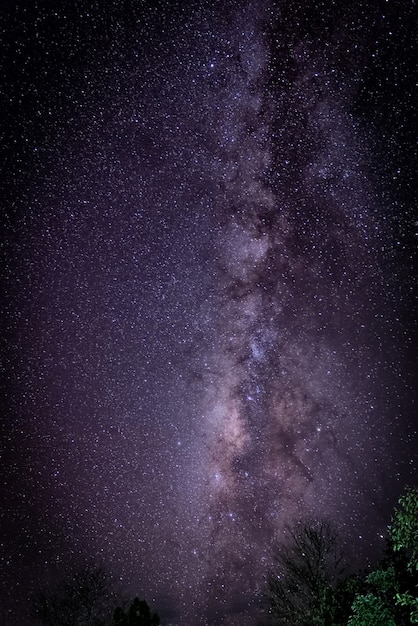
[209, 313]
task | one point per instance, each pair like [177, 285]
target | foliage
[404, 528]
[404, 535]
[408, 600]
[370, 610]
[375, 607]
[302, 589]
[387, 599]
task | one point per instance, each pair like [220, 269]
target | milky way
[209, 273]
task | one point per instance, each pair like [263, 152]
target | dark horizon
[209, 310]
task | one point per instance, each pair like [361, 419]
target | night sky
[208, 311]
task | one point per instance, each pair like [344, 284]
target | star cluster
[209, 268]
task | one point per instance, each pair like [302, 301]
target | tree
[138, 614]
[404, 534]
[85, 598]
[302, 591]
[373, 607]
[388, 598]
[369, 610]
[404, 528]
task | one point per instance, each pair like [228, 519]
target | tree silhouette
[86, 597]
[302, 590]
[138, 614]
